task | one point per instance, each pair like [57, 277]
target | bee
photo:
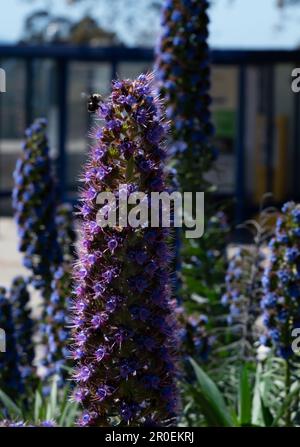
[94, 102]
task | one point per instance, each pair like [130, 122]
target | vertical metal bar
[114, 69]
[261, 89]
[29, 91]
[240, 191]
[90, 90]
[62, 81]
[270, 126]
[1, 165]
[296, 148]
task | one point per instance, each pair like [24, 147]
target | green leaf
[11, 407]
[187, 407]
[286, 403]
[256, 403]
[64, 414]
[53, 399]
[211, 400]
[38, 402]
[266, 414]
[71, 415]
[48, 411]
[245, 404]
[262, 387]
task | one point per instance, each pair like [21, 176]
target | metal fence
[62, 58]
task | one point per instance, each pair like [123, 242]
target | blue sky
[234, 23]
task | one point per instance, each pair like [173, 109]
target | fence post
[240, 147]
[114, 69]
[62, 94]
[29, 91]
[270, 126]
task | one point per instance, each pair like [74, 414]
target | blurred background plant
[10, 376]
[280, 303]
[24, 328]
[56, 408]
[47, 236]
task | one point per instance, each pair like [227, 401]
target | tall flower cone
[10, 376]
[46, 237]
[281, 293]
[55, 328]
[124, 328]
[34, 202]
[281, 282]
[24, 329]
[183, 75]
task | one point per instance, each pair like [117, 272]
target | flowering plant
[124, 328]
[34, 202]
[281, 282]
[46, 237]
[10, 377]
[183, 74]
[23, 329]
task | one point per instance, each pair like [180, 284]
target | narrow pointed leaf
[211, 400]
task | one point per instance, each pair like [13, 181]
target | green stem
[288, 421]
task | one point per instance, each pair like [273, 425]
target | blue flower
[176, 16]
[281, 315]
[296, 214]
[11, 381]
[263, 339]
[291, 254]
[269, 301]
[284, 276]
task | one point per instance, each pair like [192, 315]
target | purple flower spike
[10, 366]
[34, 202]
[46, 236]
[183, 76]
[281, 283]
[118, 328]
